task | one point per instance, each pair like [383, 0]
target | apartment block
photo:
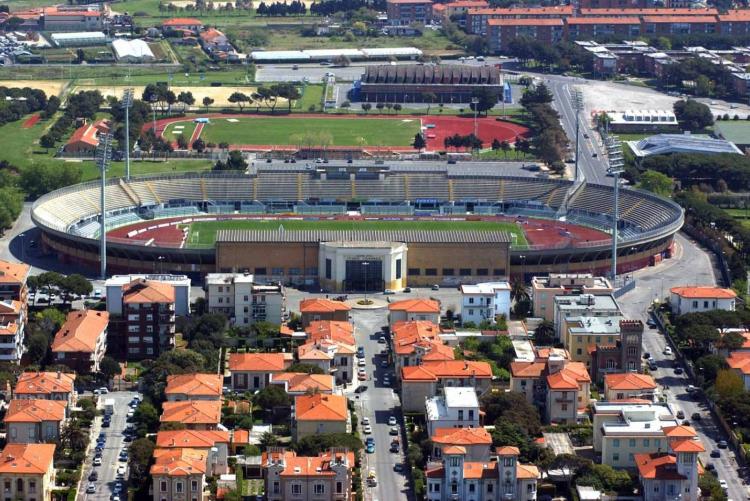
[242, 300]
[27, 472]
[500, 32]
[584, 305]
[414, 310]
[545, 289]
[326, 477]
[13, 309]
[457, 407]
[420, 382]
[485, 302]
[81, 341]
[407, 12]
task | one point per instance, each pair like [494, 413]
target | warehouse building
[409, 83]
[79, 39]
[132, 51]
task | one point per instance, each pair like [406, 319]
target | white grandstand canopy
[662, 144]
[279, 55]
[392, 51]
[132, 50]
[328, 54]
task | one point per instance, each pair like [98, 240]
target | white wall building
[485, 301]
[244, 301]
[585, 305]
[458, 407]
[181, 284]
[696, 299]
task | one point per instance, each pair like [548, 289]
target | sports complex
[350, 227]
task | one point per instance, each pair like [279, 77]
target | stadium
[350, 227]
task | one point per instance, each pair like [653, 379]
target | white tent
[132, 51]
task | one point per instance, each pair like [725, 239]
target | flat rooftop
[583, 325]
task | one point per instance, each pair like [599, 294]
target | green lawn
[290, 130]
[137, 168]
[203, 234]
[188, 126]
[738, 213]
[312, 95]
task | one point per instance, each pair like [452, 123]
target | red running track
[31, 121]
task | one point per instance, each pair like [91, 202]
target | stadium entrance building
[366, 260]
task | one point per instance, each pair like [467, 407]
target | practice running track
[435, 128]
[31, 121]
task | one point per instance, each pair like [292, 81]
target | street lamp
[23, 246]
[616, 167]
[103, 157]
[127, 103]
[577, 96]
[154, 99]
[475, 102]
[365, 264]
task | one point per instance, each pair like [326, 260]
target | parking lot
[106, 468]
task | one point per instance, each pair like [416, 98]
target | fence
[715, 247]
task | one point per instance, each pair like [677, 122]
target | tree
[656, 182]
[380, 106]
[313, 445]
[139, 458]
[342, 61]
[73, 438]
[728, 384]
[37, 349]
[538, 95]
[544, 335]
[47, 141]
[207, 101]
[703, 86]
[305, 368]
[199, 145]
[146, 418]
[487, 99]
[49, 320]
[272, 396]
[75, 284]
[239, 99]
[366, 107]
[182, 142]
[419, 141]
[505, 146]
[429, 98]
[568, 465]
[514, 408]
[693, 115]
[186, 98]
[109, 367]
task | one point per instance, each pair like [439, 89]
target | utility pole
[127, 103]
[616, 163]
[103, 156]
[577, 96]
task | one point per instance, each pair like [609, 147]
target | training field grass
[308, 130]
[202, 234]
[175, 129]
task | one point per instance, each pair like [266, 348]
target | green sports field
[203, 234]
[311, 131]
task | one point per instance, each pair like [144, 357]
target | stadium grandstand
[567, 226]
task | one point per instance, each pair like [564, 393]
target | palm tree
[518, 291]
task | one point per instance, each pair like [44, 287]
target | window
[489, 487]
[471, 311]
[499, 272]
[447, 272]
[296, 488]
[579, 351]
[616, 442]
[413, 272]
[657, 443]
[472, 488]
[471, 415]
[260, 271]
[454, 462]
[339, 488]
[631, 442]
[221, 289]
[276, 488]
[471, 300]
[616, 456]
[482, 272]
[194, 485]
[646, 442]
[610, 363]
[294, 271]
[32, 486]
[464, 272]
[178, 487]
[509, 462]
[274, 271]
[329, 265]
[460, 415]
[398, 269]
[319, 488]
[564, 407]
[311, 271]
[695, 304]
[430, 272]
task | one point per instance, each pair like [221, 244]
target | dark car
[106, 424]
[722, 444]
[94, 476]
[716, 453]
[127, 438]
[647, 355]
[696, 416]
[678, 370]
[361, 388]
[710, 467]
[652, 366]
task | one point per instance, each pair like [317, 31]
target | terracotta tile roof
[527, 369]
[211, 34]
[679, 431]
[181, 462]
[35, 410]
[312, 351]
[44, 383]
[304, 466]
[13, 273]
[240, 437]
[320, 305]
[12, 307]
[9, 329]
[192, 412]
[602, 20]
[417, 373]
[525, 22]
[408, 1]
[194, 385]
[477, 470]
[436, 472]
[527, 471]
[686, 445]
[320, 407]
[454, 449]
[562, 11]
[147, 291]
[331, 329]
[659, 466]
[703, 292]
[437, 352]
[407, 334]
[196, 439]
[81, 331]
[33, 459]
[259, 362]
[741, 15]
[740, 361]
[629, 381]
[182, 21]
[569, 377]
[448, 369]
[466, 3]
[461, 436]
[657, 11]
[284, 330]
[86, 134]
[416, 306]
[546, 351]
[300, 382]
[508, 450]
[688, 19]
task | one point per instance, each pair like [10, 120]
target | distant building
[484, 302]
[666, 475]
[33, 421]
[417, 342]
[696, 299]
[288, 476]
[412, 310]
[182, 24]
[545, 289]
[114, 287]
[568, 392]
[424, 381]
[254, 371]
[81, 39]
[28, 471]
[501, 31]
[330, 346]
[323, 309]
[214, 443]
[622, 356]
[242, 300]
[627, 385]
[73, 18]
[181, 387]
[407, 12]
[664, 144]
[476, 441]
[178, 474]
[296, 383]
[132, 51]
[13, 309]
[457, 407]
[317, 414]
[47, 386]
[643, 121]
[583, 333]
[740, 362]
[84, 140]
[584, 305]
[81, 342]
[193, 414]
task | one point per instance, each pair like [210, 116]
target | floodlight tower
[103, 157]
[615, 168]
[127, 103]
[577, 101]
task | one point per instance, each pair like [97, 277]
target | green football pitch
[203, 234]
[311, 131]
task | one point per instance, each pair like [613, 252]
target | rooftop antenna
[103, 157]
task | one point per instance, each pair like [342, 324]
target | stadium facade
[69, 222]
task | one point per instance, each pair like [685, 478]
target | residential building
[583, 305]
[326, 477]
[673, 474]
[588, 28]
[253, 371]
[334, 357]
[584, 332]
[181, 387]
[342, 332]
[417, 342]
[116, 286]
[643, 120]
[215, 444]
[407, 12]
[501, 31]
[296, 383]
[485, 302]
[568, 391]
[73, 18]
[32, 421]
[626, 428]
[679, 25]
[317, 413]
[81, 341]
[414, 310]
[323, 309]
[735, 22]
[242, 300]
[545, 289]
[622, 356]
[701, 298]
[84, 140]
[455, 477]
[527, 378]
[27, 472]
[424, 381]
[476, 19]
[13, 309]
[185, 24]
[457, 407]
[12, 335]
[628, 385]
[178, 474]
[13, 278]
[194, 414]
[740, 362]
[46, 385]
[476, 441]
[217, 45]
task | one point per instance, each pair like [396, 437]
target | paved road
[108, 470]
[691, 264]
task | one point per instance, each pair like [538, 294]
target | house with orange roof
[568, 391]
[214, 443]
[288, 476]
[317, 413]
[456, 476]
[626, 385]
[416, 341]
[323, 309]
[334, 357]
[414, 310]
[81, 341]
[420, 382]
[694, 299]
[476, 442]
[178, 474]
[32, 421]
[194, 414]
[297, 383]
[13, 278]
[253, 371]
[182, 387]
[331, 329]
[672, 473]
[527, 378]
[27, 471]
[84, 140]
[182, 24]
[739, 361]
[13, 309]
[46, 385]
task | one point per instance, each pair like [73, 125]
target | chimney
[59, 374]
